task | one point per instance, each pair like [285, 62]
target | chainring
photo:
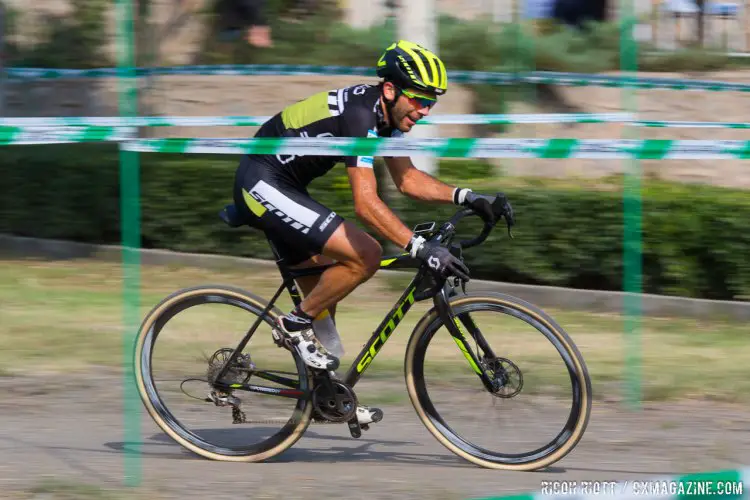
[339, 405]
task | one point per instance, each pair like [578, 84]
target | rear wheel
[181, 347]
[542, 401]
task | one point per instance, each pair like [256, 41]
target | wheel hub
[507, 377]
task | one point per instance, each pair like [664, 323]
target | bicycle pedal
[354, 428]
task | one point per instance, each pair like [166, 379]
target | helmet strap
[389, 103]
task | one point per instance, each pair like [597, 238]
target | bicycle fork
[453, 324]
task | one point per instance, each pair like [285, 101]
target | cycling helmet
[407, 64]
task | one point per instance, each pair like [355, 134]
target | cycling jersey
[347, 112]
[270, 190]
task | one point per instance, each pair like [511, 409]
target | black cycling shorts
[297, 225]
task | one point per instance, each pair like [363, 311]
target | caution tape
[559, 148]
[62, 134]
[454, 148]
[449, 119]
[479, 77]
[683, 124]
[213, 121]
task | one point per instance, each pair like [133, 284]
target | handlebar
[486, 230]
[446, 233]
[449, 227]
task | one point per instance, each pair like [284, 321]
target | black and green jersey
[348, 112]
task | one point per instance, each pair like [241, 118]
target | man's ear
[389, 91]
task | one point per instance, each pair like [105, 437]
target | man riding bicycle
[270, 193]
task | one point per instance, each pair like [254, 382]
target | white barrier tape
[454, 148]
[63, 135]
[214, 121]
[471, 119]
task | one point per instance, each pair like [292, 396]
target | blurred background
[671, 371]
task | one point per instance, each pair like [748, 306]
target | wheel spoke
[215, 320]
[492, 428]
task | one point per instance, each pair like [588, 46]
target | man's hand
[438, 258]
[489, 208]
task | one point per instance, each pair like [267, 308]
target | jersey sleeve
[359, 122]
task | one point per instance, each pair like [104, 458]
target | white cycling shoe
[309, 348]
[367, 415]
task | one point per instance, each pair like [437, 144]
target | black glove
[438, 258]
[489, 208]
[481, 205]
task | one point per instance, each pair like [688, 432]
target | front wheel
[540, 403]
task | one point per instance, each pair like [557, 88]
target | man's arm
[416, 184]
[421, 186]
[371, 210]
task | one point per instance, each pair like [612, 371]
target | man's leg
[348, 243]
[300, 227]
[307, 283]
[357, 256]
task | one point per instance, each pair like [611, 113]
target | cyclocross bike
[233, 382]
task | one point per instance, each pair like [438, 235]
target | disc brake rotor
[507, 376]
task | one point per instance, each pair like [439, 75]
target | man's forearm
[424, 187]
[377, 215]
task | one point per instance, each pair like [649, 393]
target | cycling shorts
[296, 225]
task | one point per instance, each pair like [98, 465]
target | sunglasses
[420, 100]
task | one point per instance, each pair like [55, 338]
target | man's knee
[356, 249]
[371, 257]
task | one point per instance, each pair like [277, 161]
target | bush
[74, 41]
[696, 239]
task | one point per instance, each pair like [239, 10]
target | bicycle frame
[440, 293]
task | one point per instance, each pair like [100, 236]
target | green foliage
[696, 239]
[74, 41]
[322, 37]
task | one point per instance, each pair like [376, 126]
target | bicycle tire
[146, 338]
[420, 338]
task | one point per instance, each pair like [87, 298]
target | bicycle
[316, 394]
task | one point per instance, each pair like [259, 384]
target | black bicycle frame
[414, 292]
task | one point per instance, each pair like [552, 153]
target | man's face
[411, 106]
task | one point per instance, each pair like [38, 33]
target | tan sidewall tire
[149, 321]
[539, 315]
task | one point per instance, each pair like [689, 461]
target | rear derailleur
[239, 373]
[220, 398]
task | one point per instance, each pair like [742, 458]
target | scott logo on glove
[433, 262]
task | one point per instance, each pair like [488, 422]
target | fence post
[632, 239]
[131, 236]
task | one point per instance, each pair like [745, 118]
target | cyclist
[270, 192]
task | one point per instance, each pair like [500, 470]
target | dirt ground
[71, 430]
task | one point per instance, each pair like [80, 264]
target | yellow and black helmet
[407, 64]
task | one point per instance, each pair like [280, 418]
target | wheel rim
[152, 392]
[578, 391]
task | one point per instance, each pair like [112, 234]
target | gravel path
[72, 431]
